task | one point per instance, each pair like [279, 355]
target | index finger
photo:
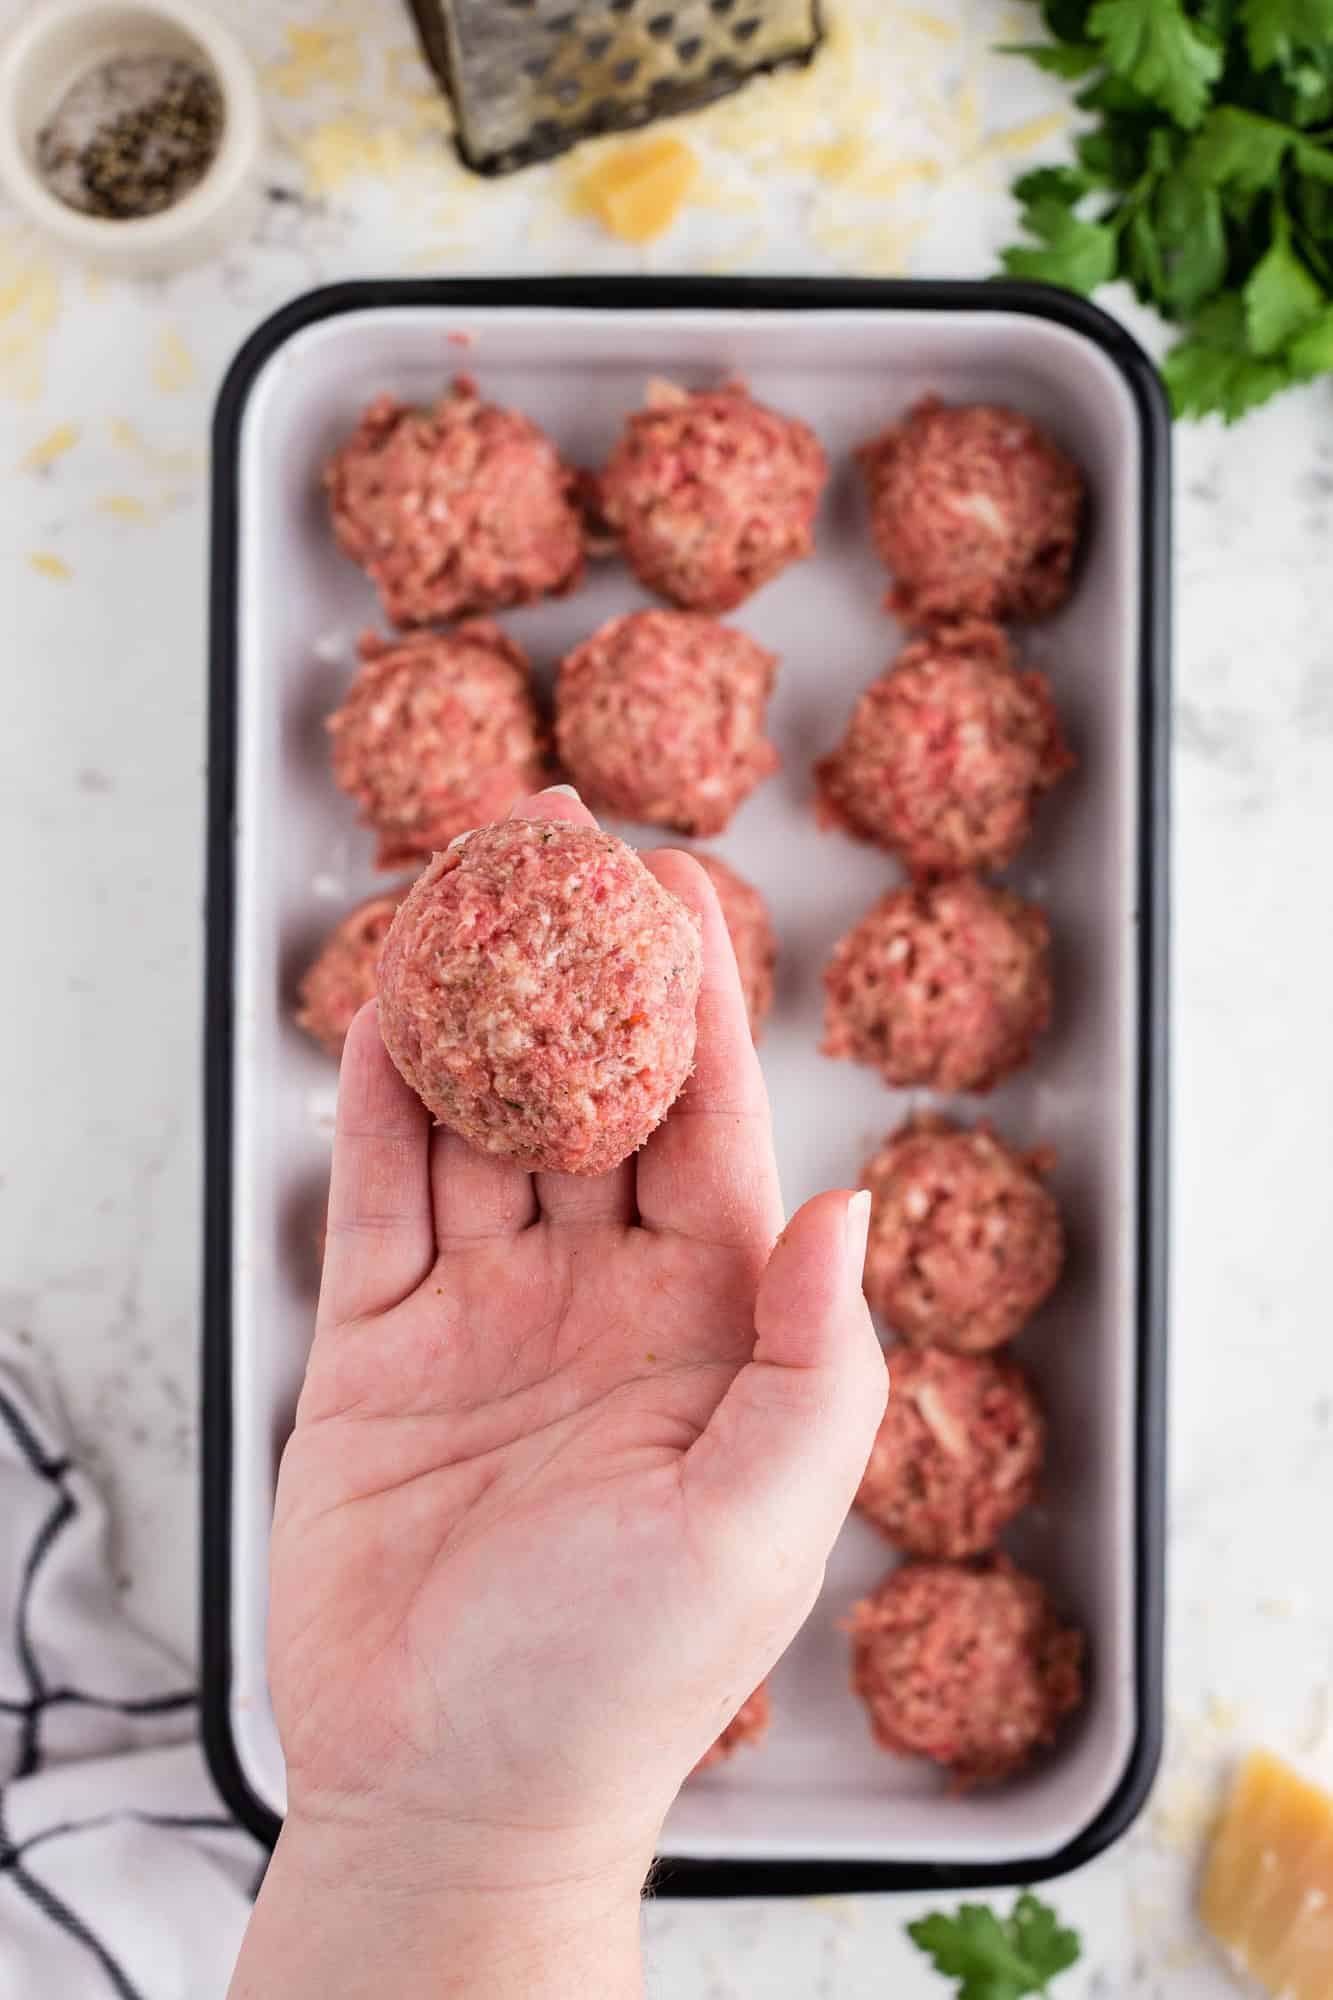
[710, 1172]
[381, 1235]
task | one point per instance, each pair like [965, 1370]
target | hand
[567, 1466]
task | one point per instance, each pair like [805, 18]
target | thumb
[787, 1445]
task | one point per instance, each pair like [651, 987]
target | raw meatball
[975, 510]
[439, 733]
[748, 1725]
[944, 984]
[660, 716]
[968, 1666]
[958, 1452]
[965, 1242]
[537, 991]
[342, 978]
[712, 494]
[752, 936]
[947, 753]
[466, 507]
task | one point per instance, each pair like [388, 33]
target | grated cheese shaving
[48, 449]
[316, 56]
[174, 367]
[29, 310]
[47, 564]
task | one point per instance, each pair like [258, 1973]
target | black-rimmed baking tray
[816, 1808]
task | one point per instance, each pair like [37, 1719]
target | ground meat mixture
[342, 978]
[975, 510]
[969, 1666]
[965, 1241]
[537, 991]
[466, 507]
[947, 753]
[660, 717]
[439, 733]
[945, 985]
[712, 494]
[752, 936]
[958, 1453]
[748, 1725]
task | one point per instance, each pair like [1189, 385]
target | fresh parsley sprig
[998, 1958]
[1205, 180]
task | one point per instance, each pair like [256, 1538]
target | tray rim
[758, 295]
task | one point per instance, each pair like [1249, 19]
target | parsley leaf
[1275, 29]
[1065, 185]
[1204, 177]
[1043, 1943]
[1155, 46]
[1079, 255]
[1281, 298]
[1311, 353]
[997, 1958]
[1191, 243]
[1056, 58]
[1214, 371]
[1237, 148]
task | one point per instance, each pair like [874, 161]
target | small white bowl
[58, 42]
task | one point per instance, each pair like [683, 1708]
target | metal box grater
[529, 78]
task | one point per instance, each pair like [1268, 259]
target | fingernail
[564, 791]
[459, 838]
[858, 1232]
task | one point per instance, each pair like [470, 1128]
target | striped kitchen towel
[120, 1872]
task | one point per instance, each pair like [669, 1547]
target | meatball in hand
[551, 1431]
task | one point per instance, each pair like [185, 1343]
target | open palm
[570, 1454]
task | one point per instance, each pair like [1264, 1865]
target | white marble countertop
[105, 390]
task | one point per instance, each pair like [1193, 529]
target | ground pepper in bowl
[132, 136]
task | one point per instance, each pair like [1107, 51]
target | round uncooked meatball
[947, 753]
[945, 985]
[342, 978]
[712, 494]
[439, 733]
[748, 1725]
[970, 1666]
[965, 1241]
[660, 717]
[466, 507]
[537, 990]
[958, 1453]
[975, 510]
[752, 936]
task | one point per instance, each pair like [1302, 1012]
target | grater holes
[545, 132]
[559, 24]
[723, 70]
[660, 25]
[536, 67]
[622, 6]
[661, 90]
[596, 47]
[687, 50]
[744, 29]
[721, 7]
[568, 92]
[626, 71]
